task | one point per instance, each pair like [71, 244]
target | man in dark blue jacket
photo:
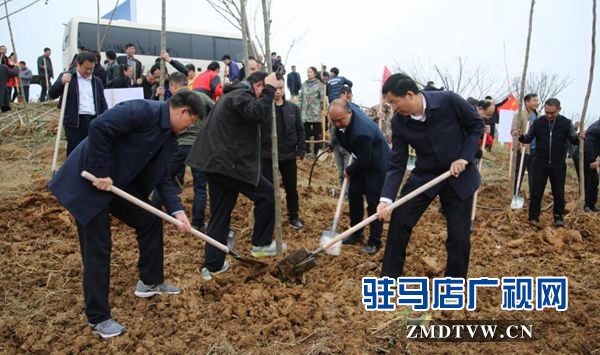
[444, 130]
[85, 99]
[129, 147]
[551, 132]
[361, 137]
[590, 154]
[294, 83]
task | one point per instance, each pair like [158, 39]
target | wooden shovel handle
[523, 148]
[155, 211]
[338, 207]
[391, 207]
[61, 118]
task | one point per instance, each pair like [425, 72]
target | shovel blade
[292, 267]
[247, 261]
[517, 202]
[322, 154]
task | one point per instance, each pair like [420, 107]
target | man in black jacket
[129, 59]
[361, 137]
[551, 132]
[84, 102]
[45, 71]
[227, 149]
[294, 83]
[290, 146]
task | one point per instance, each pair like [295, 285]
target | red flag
[511, 104]
[386, 75]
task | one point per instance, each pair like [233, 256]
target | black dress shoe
[296, 223]
[559, 222]
[354, 239]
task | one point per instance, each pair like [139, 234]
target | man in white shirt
[85, 99]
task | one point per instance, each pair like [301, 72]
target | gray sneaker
[208, 275]
[143, 290]
[108, 328]
[266, 250]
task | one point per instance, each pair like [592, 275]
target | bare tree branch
[17, 11]
[224, 8]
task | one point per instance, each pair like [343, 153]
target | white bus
[185, 45]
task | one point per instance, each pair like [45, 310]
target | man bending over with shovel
[444, 130]
[360, 136]
[128, 146]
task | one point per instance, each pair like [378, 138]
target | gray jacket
[25, 75]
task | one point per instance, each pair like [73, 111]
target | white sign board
[114, 96]
[504, 127]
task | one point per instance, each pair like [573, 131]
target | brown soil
[250, 312]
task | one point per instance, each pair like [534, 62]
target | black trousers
[223, 192]
[95, 242]
[313, 129]
[406, 216]
[76, 134]
[289, 178]
[526, 168]
[368, 185]
[590, 181]
[44, 92]
[542, 171]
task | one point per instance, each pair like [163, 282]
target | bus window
[179, 44]
[203, 47]
[233, 47]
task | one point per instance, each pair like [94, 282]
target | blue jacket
[334, 87]
[294, 82]
[451, 131]
[365, 141]
[71, 118]
[132, 143]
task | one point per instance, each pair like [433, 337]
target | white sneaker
[208, 275]
[108, 328]
[267, 250]
[143, 290]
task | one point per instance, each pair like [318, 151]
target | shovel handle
[518, 189]
[391, 207]
[338, 208]
[155, 211]
[61, 118]
[479, 167]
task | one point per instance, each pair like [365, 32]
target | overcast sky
[361, 37]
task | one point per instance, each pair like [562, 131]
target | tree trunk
[98, 26]
[245, 33]
[274, 152]
[12, 41]
[584, 111]
[163, 47]
[521, 96]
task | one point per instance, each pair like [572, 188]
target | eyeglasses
[395, 101]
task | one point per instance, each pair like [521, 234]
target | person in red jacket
[209, 82]
[486, 109]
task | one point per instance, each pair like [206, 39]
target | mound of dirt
[249, 311]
